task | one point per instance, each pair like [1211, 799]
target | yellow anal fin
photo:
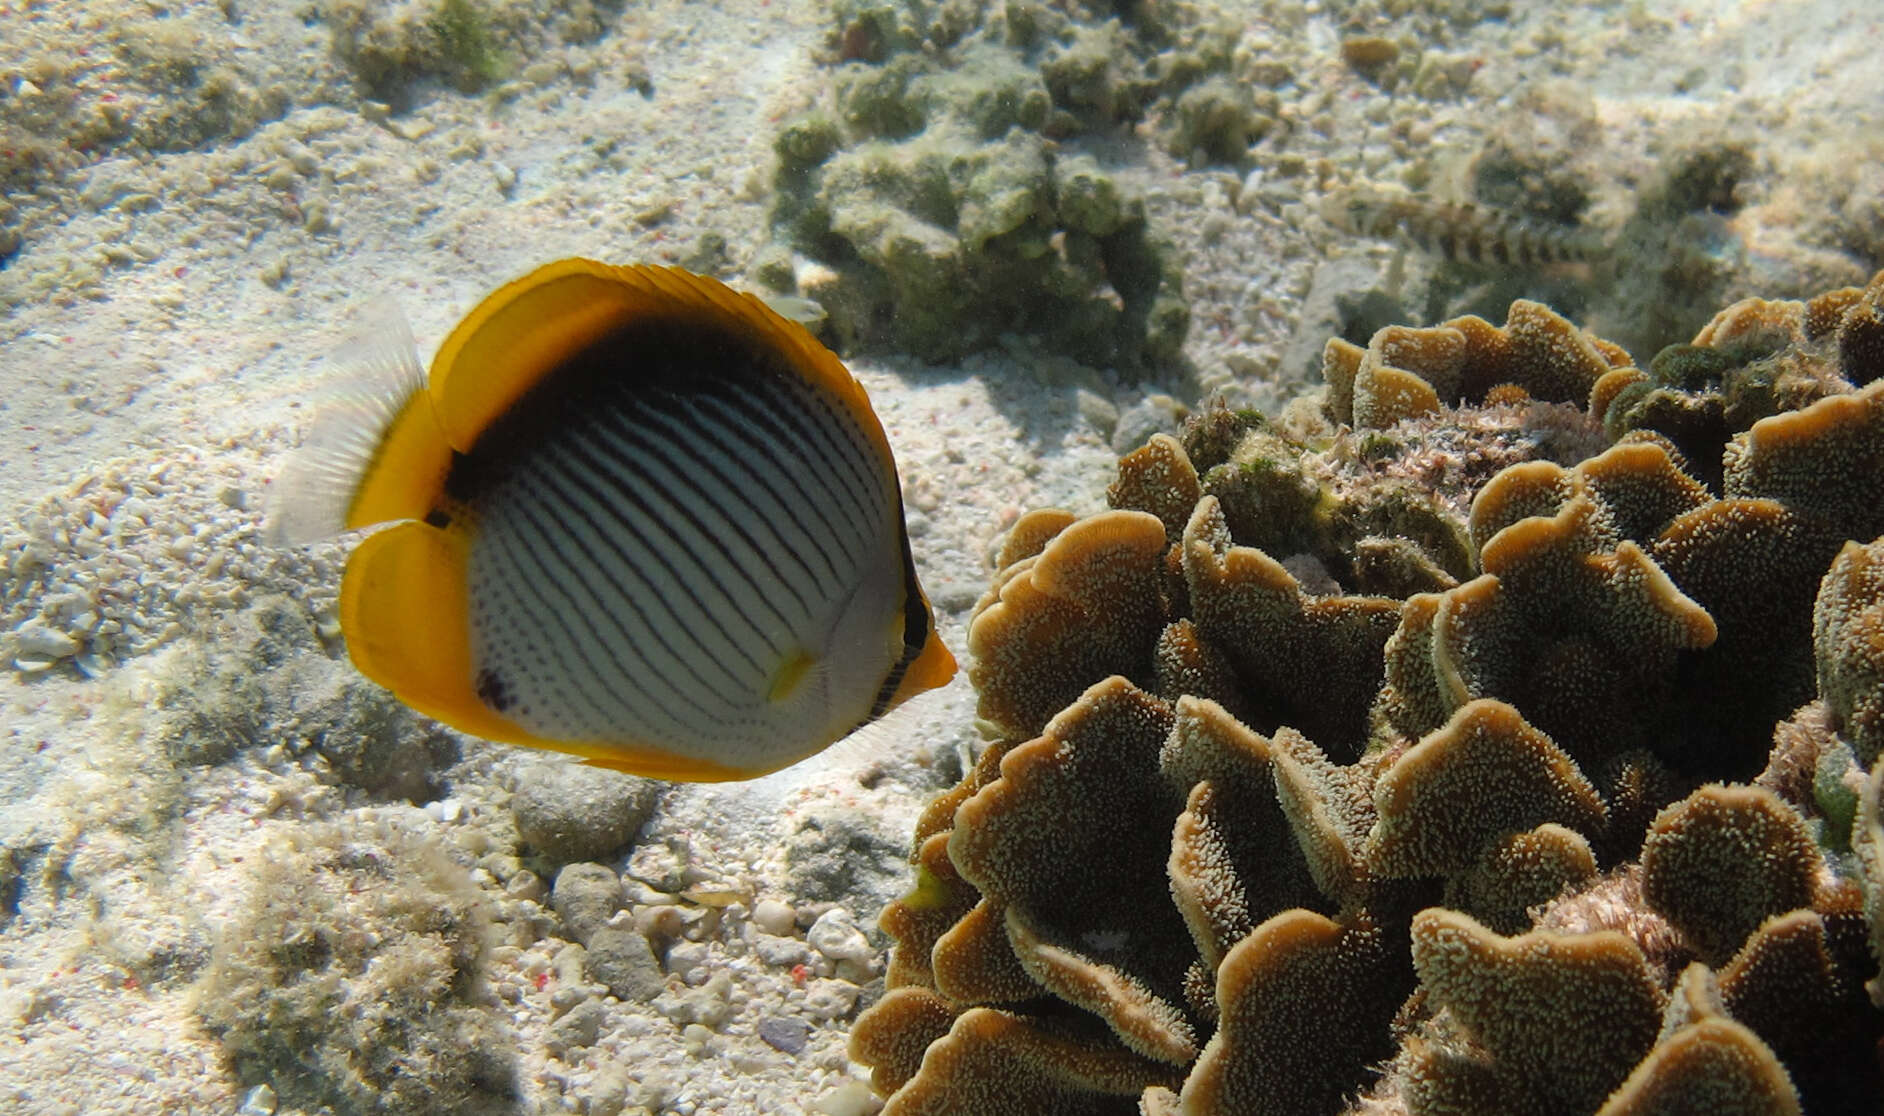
[404, 611]
[656, 764]
[933, 666]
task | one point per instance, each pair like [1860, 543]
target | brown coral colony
[1424, 756]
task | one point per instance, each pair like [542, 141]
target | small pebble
[526, 885]
[853, 1098]
[35, 640]
[780, 953]
[579, 1027]
[569, 811]
[836, 936]
[774, 917]
[259, 1101]
[784, 1033]
[622, 960]
[1368, 52]
[586, 896]
[828, 1000]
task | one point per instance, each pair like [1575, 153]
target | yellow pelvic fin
[790, 676]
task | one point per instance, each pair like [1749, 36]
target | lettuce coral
[1578, 812]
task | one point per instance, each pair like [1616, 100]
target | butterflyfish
[632, 515]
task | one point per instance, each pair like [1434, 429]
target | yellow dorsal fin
[525, 329]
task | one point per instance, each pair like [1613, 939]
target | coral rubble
[1495, 740]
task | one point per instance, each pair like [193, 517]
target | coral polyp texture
[1486, 734]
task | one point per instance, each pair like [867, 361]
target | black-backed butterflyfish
[634, 515]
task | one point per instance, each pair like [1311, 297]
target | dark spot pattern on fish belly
[495, 692]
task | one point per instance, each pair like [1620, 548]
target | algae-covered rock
[570, 811]
[352, 976]
[966, 189]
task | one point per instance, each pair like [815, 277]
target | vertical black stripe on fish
[554, 536]
[867, 469]
[667, 435]
[749, 505]
[551, 602]
[814, 474]
[838, 446]
[635, 462]
[780, 417]
[667, 704]
[716, 413]
[573, 474]
[608, 561]
[675, 702]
